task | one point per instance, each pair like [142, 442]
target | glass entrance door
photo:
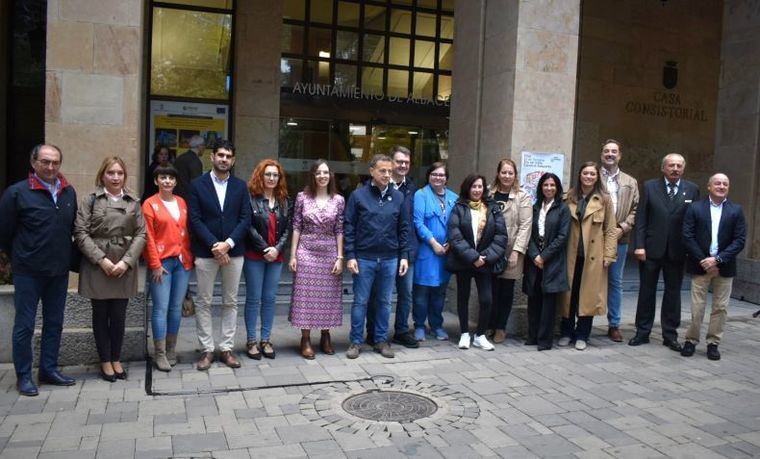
[349, 147]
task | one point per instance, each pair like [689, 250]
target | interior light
[324, 54]
[413, 132]
[291, 122]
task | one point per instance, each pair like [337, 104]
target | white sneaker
[564, 341]
[464, 341]
[482, 342]
[580, 345]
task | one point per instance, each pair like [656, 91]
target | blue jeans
[615, 287]
[29, 290]
[403, 303]
[380, 273]
[428, 304]
[167, 298]
[261, 281]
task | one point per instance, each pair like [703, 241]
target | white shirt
[52, 188]
[716, 211]
[475, 224]
[612, 186]
[173, 208]
[542, 217]
[220, 185]
[675, 188]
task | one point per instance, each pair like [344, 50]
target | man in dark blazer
[714, 232]
[659, 247]
[220, 214]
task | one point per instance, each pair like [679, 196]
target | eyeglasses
[271, 174]
[47, 162]
[438, 175]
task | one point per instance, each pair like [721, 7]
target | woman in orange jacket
[167, 254]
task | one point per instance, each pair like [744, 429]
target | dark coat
[259, 228]
[408, 189]
[189, 167]
[210, 224]
[35, 231]
[659, 219]
[697, 235]
[376, 227]
[462, 251]
[556, 232]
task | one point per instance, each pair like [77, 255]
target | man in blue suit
[714, 232]
[220, 213]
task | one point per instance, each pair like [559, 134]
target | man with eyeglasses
[376, 234]
[400, 181]
[38, 218]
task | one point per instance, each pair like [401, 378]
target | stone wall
[625, 46]
[94, 96]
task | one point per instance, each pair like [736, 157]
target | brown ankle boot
[307, 351]
[325, 344]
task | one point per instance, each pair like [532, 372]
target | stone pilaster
[256, 83]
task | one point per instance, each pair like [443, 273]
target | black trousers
[108, 318]
[670, 312]
[503, 297]
[483, 284]
[568, 326]
[542, 310]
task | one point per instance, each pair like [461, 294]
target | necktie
[671, 190]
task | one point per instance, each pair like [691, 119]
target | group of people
[569, 249]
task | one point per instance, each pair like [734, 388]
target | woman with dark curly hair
[267, 238]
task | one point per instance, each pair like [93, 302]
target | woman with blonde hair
[517, 207]
[267, 238]
[110, 232]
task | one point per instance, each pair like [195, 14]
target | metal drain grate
[389, 406]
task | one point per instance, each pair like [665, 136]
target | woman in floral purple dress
[316, 259]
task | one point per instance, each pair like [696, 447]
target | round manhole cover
[389, 406]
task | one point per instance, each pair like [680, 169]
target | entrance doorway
[349, 146]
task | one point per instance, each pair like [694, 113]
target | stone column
[93, 108]
[736, 138]
[256, 84]
[515, 65]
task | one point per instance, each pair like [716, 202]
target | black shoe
[122, 375]
[712, 352]
[406, 340]
[638, 340]
[56, 378]
[106, 377]
[543, 347]
[531, 342]
[688, 349]
[673, 344]
[26, 386]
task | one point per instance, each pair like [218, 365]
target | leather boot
[307, 351]
[171, 349]
[161, 362]
[325, 344]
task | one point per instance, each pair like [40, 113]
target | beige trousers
[721, 294]
[206, 270]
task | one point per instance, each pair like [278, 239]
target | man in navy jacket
[714, 232]
[220, 213]
[400, 181]
[38, 217]
[376, 233]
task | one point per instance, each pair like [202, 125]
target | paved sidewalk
[611, 400]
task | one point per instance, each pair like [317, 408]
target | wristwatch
[718, 259]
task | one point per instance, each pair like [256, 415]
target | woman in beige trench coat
[110, 232]
[517, 207]
[591, 248]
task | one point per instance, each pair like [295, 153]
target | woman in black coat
[545, 274]
[478, 238]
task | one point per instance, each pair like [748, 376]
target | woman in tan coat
[591, 248]
[517, 208]
[110, 232]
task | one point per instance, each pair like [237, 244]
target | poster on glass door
[173, 124]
